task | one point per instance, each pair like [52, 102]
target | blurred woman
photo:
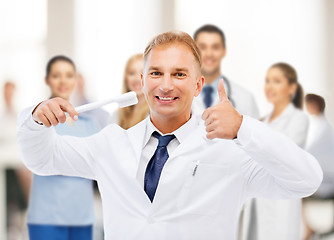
[281, 219]
[63, 207]
[130, 116]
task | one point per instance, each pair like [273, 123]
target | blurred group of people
[63, 207]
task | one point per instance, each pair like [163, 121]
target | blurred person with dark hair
[130, 116]
[315, 105]
[320, 143]
[18, 180]
[281, 219]
[62, 207]
[212, 45]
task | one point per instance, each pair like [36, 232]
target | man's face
[170, 80]
[313, 108]
[212, 50]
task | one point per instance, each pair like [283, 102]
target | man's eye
[180, 74]
[155, 73]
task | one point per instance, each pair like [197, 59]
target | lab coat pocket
[203, 189]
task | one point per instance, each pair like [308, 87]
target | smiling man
[174, 175]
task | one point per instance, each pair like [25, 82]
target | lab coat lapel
[193, 141]
[136, 135]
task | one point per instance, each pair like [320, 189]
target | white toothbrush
[124, 100]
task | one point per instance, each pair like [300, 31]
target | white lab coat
[321, 145]
[243, 100]
[187, 206]
[281, 219]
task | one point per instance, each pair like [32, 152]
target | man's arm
[46, 153]
[277, 167]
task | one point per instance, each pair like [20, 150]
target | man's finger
[205, 114]
[67, 107]
[211, 135]
[43, 119]
[51, 117]
[60, 115]
[221, 91]
[209, 120]
[210, 127]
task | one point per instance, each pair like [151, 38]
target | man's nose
[166, 84]
[208, 53]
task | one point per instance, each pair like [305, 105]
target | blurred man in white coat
[212, 45]
[175, 175]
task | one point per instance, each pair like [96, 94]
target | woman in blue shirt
[62, 207]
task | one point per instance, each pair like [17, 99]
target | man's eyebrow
[153, 68]
[182, 69]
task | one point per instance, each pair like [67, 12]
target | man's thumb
[221, 91]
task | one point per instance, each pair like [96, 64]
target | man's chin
[166, 114]
[63, 95]
[209, 71]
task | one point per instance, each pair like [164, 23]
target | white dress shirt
[150, 144]
[203, 184]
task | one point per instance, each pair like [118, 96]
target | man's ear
[224, 52]
[142, 80]
[199, 85]
[46, 81]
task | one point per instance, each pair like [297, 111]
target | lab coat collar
[181, 133]
[140, 133]
[286, 112]
[136, 135]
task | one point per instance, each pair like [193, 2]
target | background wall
[101, 35]
[262, 32]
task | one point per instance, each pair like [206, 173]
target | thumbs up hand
[222, 120]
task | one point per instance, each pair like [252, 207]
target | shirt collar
[181, 133]
[214, 85]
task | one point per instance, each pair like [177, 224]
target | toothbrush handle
[123, 100]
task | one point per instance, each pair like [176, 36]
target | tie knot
[163, 140]
[207, 90]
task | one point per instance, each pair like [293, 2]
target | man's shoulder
[138, 129]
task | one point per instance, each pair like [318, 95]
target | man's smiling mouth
[166, 98]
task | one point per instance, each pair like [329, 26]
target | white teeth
[166, 98]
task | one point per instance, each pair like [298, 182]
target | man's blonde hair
[171, 38]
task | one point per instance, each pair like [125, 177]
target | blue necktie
[156, 164]
[208, 90]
